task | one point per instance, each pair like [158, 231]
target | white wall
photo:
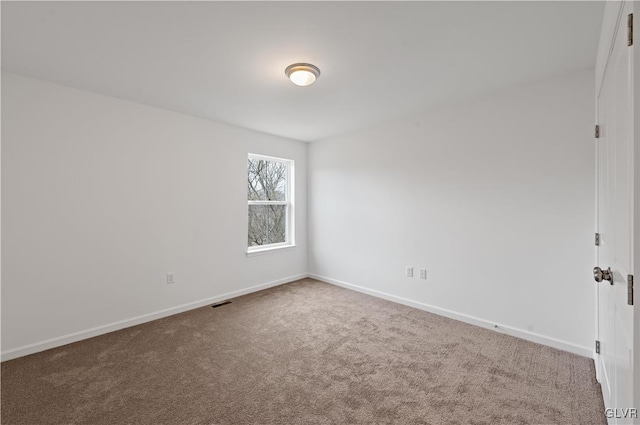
[102, 197]
[494, 196]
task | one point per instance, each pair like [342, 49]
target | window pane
[257, 170]
[276, 181]
[267, 180]
[267, 224]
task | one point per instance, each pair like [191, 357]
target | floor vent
[220, 304]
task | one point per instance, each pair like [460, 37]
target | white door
[615, 180]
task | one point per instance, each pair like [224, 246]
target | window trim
[289, 242]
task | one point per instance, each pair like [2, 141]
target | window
[270, 199]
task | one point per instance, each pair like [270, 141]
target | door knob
[599, 275]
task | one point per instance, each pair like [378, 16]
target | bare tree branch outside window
[268, 202]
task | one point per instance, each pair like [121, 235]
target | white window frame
[290, 210]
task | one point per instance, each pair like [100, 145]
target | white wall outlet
[423, 273]
[409, 271]
[171, 278]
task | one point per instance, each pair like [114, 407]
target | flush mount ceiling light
[302, 74]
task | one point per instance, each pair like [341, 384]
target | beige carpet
[302, 353]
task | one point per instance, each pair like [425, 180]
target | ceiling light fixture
[302, 74]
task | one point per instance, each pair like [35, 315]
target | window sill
[269, 250]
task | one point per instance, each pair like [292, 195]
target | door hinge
[597, 131]
[597, 347]
[630, 289]
[630, 29]
[597, 239]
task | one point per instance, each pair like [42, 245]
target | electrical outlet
[171, 278]
[409, 271]
[423, 273]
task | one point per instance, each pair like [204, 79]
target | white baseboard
[100, 330]
[529, 336]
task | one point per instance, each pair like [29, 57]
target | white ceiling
[225, 60]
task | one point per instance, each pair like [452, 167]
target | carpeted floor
[302, 353]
